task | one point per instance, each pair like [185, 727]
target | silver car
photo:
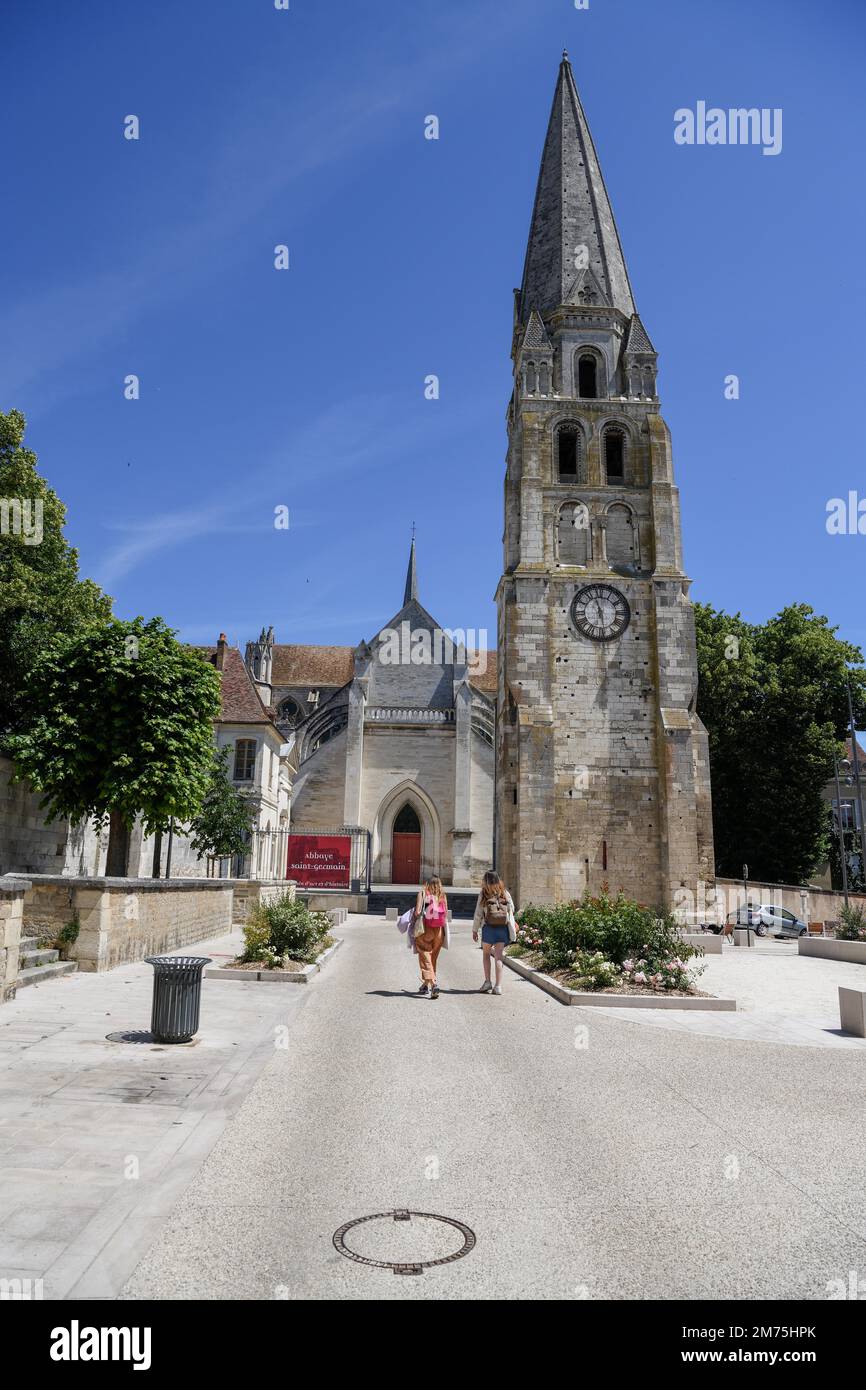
[765, 919]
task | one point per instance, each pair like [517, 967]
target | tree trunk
[117, 860]
[157, 854]
[168, 854]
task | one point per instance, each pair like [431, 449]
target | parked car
[765, 919]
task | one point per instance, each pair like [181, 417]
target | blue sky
[305, 388]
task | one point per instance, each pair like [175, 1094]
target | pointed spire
[411, 592]
[536, 338]
[637, 339]
[572, 210]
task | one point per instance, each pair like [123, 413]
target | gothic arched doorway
[406, 846]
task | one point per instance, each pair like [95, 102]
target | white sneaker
[497, 989]
[487, 987]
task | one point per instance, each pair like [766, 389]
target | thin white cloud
[266, 146]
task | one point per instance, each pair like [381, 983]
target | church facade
[393, 737]
[603, 768]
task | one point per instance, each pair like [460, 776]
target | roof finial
[410, 593]
[565, 55]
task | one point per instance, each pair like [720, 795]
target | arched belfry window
[569, 453]
[614, 454]
[587, 377]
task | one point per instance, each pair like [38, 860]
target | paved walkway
[781, 996]
[98, 1139]
[590, 1156]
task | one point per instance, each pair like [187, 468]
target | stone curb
[613, 1001]
[276, 977]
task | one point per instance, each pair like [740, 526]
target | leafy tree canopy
[41, 593]
[121, 723]
[773, 699]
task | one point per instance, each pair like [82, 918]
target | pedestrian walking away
[431, 933]
[494, 914]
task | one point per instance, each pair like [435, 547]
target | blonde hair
[434, 886]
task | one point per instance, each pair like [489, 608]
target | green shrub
[617, 928]
[284, 929]
[853, 925]
[593, 971]
[68, 933]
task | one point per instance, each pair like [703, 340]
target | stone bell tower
[602, 762]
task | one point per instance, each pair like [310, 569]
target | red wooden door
[406, 857]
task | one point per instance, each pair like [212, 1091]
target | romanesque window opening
[614, 455]
[622, 540]
[587, 377]
[568, 453]
[245, 759]
[573, 534]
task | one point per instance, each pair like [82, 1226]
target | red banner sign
[320, 861]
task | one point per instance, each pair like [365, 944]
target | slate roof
[637, 339]
[571, 209]
[536, 333]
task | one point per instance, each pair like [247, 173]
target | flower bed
[608, 945]
[283, 935]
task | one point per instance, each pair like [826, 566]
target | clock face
[601, 612]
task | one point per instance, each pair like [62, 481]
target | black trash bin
[176, 997]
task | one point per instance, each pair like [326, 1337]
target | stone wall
[250, 892]
[31, 844]
[123, 920]
[11, 911]
[820, 905]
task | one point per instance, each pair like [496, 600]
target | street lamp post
[839, 830]
[855, 756]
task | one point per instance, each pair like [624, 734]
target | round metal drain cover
[408, 1242]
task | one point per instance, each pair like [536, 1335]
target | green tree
[221, 828]
[41, 593]
[120, 724]
[773, 699]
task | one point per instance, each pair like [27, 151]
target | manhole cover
[408, 1242]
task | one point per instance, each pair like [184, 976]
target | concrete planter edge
[615, 1001]
[275, 977]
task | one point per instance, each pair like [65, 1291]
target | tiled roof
[485, 679]
[335, 666]
[314, 666]
[861, 753]
[240, 699]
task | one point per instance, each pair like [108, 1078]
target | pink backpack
[434, 911]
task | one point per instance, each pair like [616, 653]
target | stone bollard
[852, 1011]
[743, 937]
